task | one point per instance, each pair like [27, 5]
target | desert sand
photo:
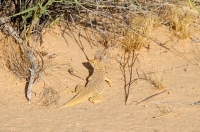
[174, 110]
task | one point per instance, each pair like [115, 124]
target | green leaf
[24, 11]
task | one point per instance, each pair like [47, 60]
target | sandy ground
[171, 111]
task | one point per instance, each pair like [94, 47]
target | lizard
[93, 89]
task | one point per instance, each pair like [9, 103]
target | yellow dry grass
[136, 37]
[180, 20]
[14, 58]
[158, 79]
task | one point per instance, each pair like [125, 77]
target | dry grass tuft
[179, 19]
[158, 79]
[140, 26]
[137, 35]
[133, 41]
[14, 58]
[49, 97]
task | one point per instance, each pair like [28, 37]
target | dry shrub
[14, 57]
[140, 29]
[16, 60]
[179, 19]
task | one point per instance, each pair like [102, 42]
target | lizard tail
[81, 97]
[71, 103]
[62, 106]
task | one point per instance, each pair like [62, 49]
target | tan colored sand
[182, 83]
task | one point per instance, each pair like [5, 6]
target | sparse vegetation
[125, 24]
[49, 97]
[137, 35]
[14, 58]
[158, 79]
[180, 20]
[151, 50]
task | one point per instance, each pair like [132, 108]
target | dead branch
[129, 63]
[8, 30]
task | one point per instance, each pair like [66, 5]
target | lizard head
[95, 63]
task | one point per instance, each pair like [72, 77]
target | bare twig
[128, 63]
[165, 112]
[176, 103]
[123, 70]
[71, 71]
[130, 68]
[151, 96]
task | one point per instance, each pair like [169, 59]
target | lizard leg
[108, 81]
[79, 88]
[97, 98]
